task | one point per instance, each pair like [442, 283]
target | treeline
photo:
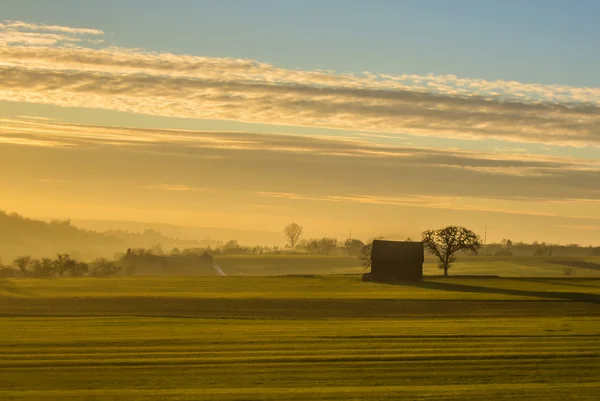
[316, 246]
[157, 260]
[509, 248]
[61, 266]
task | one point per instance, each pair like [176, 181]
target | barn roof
[206, 256]
[397, 250]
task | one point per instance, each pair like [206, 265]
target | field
[299, 338]
[512, 266]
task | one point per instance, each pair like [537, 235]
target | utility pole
[485, 237]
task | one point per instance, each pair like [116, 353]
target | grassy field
[503, 266]
[515, 266]
[299, 338]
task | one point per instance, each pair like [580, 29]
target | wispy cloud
[177, 188]
[191, 143]
[460, 203]
[20, 25]
[46, 143]
[188, 86]
[24, 33]
[36, 118]
[53, 180]
[291, 170]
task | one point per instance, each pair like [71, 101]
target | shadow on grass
[456, 287]
[567, 282]
[576, 263]
[9, 287]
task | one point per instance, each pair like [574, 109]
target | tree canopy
[445, 242]
[293, 232]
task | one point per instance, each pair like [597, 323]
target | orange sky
[98, 132]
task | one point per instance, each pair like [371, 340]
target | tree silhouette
[64, 263]
[44, 267]
[104, 267]
[293, 232]
[444, 243]
[79, 269]
[365, 253]
[22, 262]
[353, 246]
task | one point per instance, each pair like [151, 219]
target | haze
[383, 120]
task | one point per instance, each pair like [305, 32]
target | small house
[395, 260]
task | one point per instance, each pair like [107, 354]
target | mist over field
[136, 249]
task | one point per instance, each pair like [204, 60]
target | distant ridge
[20, 235]
[199, 233]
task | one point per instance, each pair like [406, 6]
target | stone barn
[395, 260]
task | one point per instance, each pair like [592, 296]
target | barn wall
[409, 270]
[206, 264]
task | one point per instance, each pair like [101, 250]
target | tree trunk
[446, 264]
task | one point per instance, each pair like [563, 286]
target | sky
[385, 117]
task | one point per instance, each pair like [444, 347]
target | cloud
[166, 84]
[53, 180]
[36, 118]
[177, 188]
[293, 164]
[23, 33]
[20, 25]
[46, 143]
[460, 203]
[33, 38]
[352, 178]
[507, 161]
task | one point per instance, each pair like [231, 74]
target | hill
[23, 236]
[210, 234]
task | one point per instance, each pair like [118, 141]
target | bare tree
[44, 267]
[365, 253]
[444, 243]
[79, 269]
[104, 268]
[293, 232]
[353, 246]
[325, 245]
[22, 262]
[64, 263]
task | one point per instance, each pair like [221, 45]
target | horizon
[384, 120]
[139, 227]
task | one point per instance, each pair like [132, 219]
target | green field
[299, 338]
[511, 266]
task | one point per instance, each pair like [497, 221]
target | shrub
[104, 268]
[6, 271]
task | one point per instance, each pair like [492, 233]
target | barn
[206, 261]
[395, 260]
